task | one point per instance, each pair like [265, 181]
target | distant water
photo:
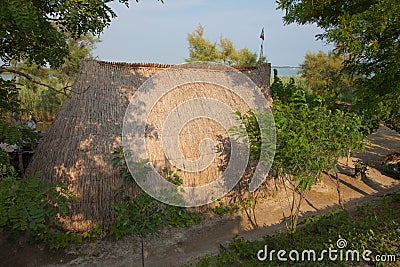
[285, 71]
[6, 76]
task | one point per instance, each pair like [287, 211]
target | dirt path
[176, 246]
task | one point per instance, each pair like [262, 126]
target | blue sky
[150, 31]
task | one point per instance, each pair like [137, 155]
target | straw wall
[77, 148]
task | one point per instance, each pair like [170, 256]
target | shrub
[31, 205]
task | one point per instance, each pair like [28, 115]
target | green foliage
[118, 162]
[224, 209]
[36, 35]
[310, 138]
[297, 80]
[142, 215]
[179, 217]
[367, 34]
[60, 239]
[45, 89]
[370, 227]
[325, 77]
[56, 240]
[247, 58]
[201, 49]
[366, 30]
[28, 33]
[32, 205]
[18, 134]
[249, 120]
[172, 176]
[79, 49]
[38, 30]
[12, 139]
[95, 233]
[9, 102]
[227, 54]
[393, 121]
[41, 101]
[360, 168]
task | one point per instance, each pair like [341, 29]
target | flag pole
[262, 44]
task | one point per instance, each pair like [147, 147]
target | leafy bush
[14, 138]
[32, 206]
[140, 215]
[179, 217]
[143, 215]
[310, 139]
[18, 134]
[8, 97]
[223, 209]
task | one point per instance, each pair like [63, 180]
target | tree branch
[33, 80]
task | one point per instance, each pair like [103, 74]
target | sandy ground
[174, 247]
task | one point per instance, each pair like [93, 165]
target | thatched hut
[77, 148]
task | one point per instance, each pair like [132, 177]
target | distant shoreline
[286, 70]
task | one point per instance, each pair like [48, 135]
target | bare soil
[174, 247]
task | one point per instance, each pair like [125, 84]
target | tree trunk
[21, 163]
[339, 191]
[142, 240]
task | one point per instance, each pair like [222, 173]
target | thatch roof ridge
[133, 65]
[164, 66]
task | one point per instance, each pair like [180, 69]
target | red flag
[262, 34]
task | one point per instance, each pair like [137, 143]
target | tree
[201, 49]
[143, 215]
[228, 54]
[246, 57]
[368, 34]
[47, 89]
[78, 49]
[325, 77]
[310, 138]
[37, 30]
[38, 35]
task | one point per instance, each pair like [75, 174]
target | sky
[152, 32]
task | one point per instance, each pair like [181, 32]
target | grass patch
[374, 227]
